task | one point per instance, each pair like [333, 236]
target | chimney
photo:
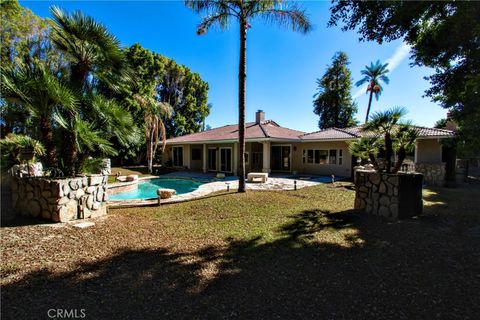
[259, 116]
[451, 125]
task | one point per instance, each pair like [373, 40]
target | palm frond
[293, 17]
[220, 19]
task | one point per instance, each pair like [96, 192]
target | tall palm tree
[37, 89]
[219, 13]
[386, 124]
[373, 75]
[94, 55]
[155, 132]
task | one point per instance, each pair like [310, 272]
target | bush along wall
[60, 200]
[392, 196]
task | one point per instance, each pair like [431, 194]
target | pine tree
[333, 101]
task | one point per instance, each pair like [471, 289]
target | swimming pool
[148, 189]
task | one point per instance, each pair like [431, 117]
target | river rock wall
[60, 200]
[391, 196]
[433, 173]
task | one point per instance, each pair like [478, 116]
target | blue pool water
[148, 189]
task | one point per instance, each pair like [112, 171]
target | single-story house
[270, 147]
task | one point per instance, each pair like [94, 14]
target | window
[177, 156]
[196, 154]
[332, 156]
[212, 159]
[319, 156]
[246, 157]
[226, 159]
[340, 157]
[309, 156]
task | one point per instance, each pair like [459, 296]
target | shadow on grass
[322, 265]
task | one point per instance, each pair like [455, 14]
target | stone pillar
[392, 196]
[204, 158]
[266, 157]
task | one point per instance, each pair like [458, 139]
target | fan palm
[404, 142]
[219, 13]
[366, 148]
[386, 124]
[154, 112]
[94, 55]
[14, 145]
[373, 75]
[37, 89]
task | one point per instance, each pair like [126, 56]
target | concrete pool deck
[276, 182]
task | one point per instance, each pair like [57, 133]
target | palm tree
[14, 144]
[37, 89]
[386, 124]
[366, 148]
[153, 113]
[94, 55]
[373, 75]
[404, 142]
[219, 13]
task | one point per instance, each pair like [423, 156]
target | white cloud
[398, 56]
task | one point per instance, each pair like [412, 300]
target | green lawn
[298, 254]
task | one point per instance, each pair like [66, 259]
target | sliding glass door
[226, 159]
[177, 157]
[280, 158]
[212, 159]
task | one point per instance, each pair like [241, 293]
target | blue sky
[282, 66]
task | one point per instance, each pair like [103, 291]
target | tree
[385, 125]
[155, 132]
[13, 145]
[404, 143]
[333, 101]
[40, 92]
[366, 148]
[172, 84]
[386, 131]
[187, 93]
[372, 75]
[94, 55]
[25, 40]
[443, 35]
[219, 13]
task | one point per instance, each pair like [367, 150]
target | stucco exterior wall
[343, 170]
[428, 151]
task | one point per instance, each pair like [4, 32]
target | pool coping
[200, 192]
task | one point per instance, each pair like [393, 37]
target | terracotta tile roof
[356, 132]
[330, 134]
[434, 132]
[266, 129]
[271, 130]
